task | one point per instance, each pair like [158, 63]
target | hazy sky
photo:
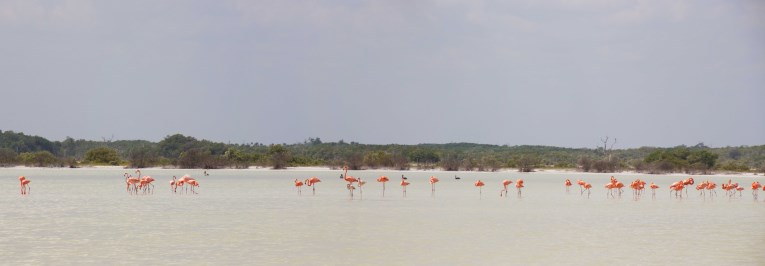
[562, 73]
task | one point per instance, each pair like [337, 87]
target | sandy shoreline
[327, 169]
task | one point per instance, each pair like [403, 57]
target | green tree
[197, 158]
[8, 157]
[39, 159]
[376, 159]
[102, 155]
[238, 158]
[141, 157]
[424, 158]
[172, 146]
[279, 155]
[702, 160]
[527, 163]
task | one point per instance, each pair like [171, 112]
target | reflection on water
[257, 217]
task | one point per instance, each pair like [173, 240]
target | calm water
[76, 216]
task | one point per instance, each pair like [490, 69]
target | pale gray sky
[562, 73]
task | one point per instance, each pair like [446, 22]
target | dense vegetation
[188, 152]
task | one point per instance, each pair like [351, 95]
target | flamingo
[618, 186]
[347, 178]
[505, 183]
[383, 179]
[687, 182]
[404, 183]
[635, 185]
[350, 181]
[739, 189]
[24, 185]
[433, 181]
[519, 185]
[311, 182]
[678, 188]
[586, 187]
[568, 184]
[610, 186]
[143, 185]
[187, 179]
[653, 189]
[193, 183]
[131, 181]
[479, 184]
[730, 188]
[361, 183]
[640, 186]
[350, 188]
[581, 186]
[175, 183]
[172, 184]
[299, 185]
[755, 186]
[711, 187]
[702, 188]
[146, 181]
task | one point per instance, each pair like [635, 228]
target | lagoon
[254, 216]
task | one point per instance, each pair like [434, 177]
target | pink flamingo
[567, 183]
[193, 183]
[299, 185]
[311, 182]
[146, 181]
[479, 184]
[350, 180]
[131, 181]
[581, 186]
[687, 182]
[361, 183]
[677, 187]
[619, 185]
[172, 184]
[404, 184]
[755, 187]
[505, 183]
[586, 186]
[702, 188]
[186, 179]
[653, 188]
[24, 185]
[383, 179]
[175, 183]
[519, 185]
[610, 186]
[433, 181]
[711, 186]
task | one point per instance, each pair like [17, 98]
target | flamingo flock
[141, 183]
[614, 188]
[186, 183]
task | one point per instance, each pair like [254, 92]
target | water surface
[85, 216]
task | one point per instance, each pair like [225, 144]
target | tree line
[182, 151]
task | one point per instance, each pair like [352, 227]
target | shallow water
[85, 216]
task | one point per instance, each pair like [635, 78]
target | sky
[560, 73]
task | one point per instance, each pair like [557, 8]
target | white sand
[437, 170]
